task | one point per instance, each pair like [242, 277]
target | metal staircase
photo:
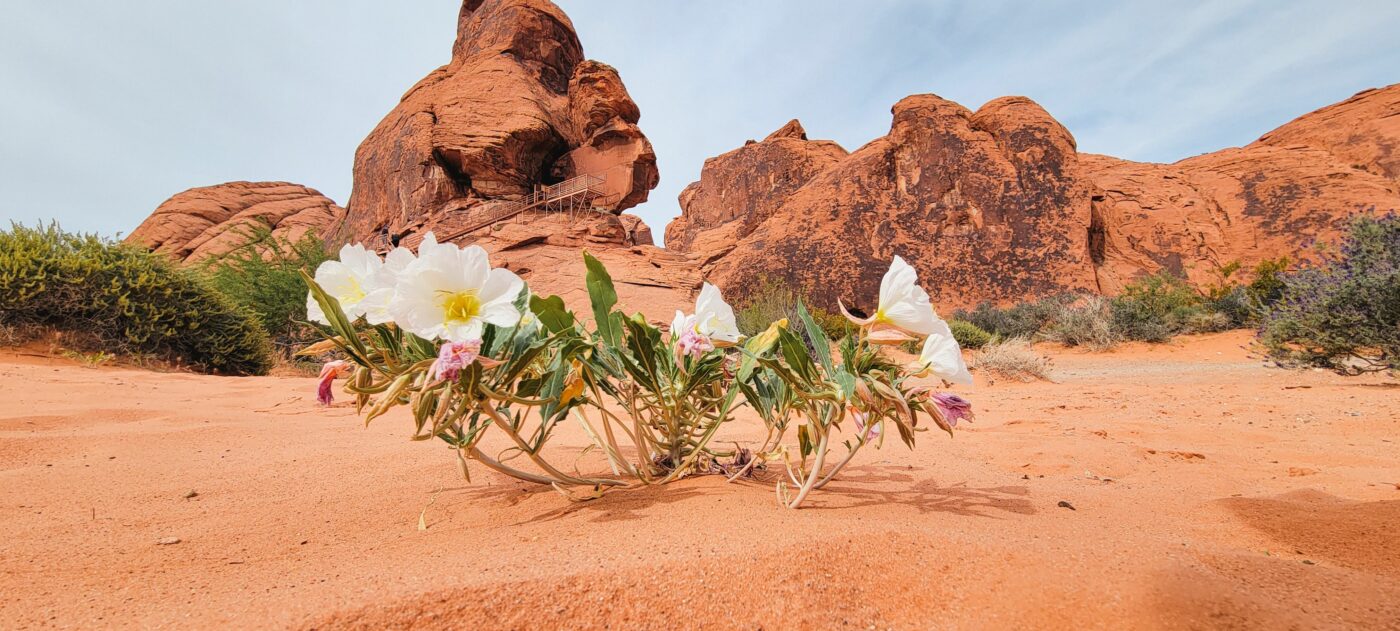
[577, 194]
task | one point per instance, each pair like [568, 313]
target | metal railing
[583, 189]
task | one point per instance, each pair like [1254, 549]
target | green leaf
[603, 296]
[820, 344]
[552, 313]
[340, 324]
[795, 354]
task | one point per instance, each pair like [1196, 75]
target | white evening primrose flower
[714, 318]
[903, 303]
[376, 303]
[349, 280]
[942, 357]
[451, 293]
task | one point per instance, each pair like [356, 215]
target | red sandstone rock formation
[999, 206]
[517, 107]
[742, 188]
[989, 204]
[212, 220]
[1295, 186]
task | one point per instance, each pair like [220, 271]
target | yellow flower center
[459, 308]
[352, 294]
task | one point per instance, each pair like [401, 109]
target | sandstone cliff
[998, 204]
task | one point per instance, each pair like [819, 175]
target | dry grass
[1087, 322]
[1012, 359]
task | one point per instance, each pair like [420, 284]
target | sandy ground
[1208, 491]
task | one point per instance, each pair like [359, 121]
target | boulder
[208, 221]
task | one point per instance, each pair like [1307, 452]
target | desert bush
[1155, 308]
[1267, 286]
[264, 276]
[1087, 322]
[775, 300]
[1344, 313]
[125, 299]
[969, 335]
[1012, 359]
[1208, 321]
[1025, 319]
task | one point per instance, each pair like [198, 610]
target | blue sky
[108, 108]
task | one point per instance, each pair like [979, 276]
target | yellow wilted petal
[319, 348]
[765, 340]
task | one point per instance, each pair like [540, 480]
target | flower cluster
[445, 292]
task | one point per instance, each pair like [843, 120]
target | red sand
[1208, 492]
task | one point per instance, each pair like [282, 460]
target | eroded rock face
[1297, 185]
[517, 107]
[746, 185]
[212, 220]
[988, 205]
[998, 205]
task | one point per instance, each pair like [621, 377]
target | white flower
[903, 303]
[712, 324]
[942, 357]
[452, 293]
[351, 281]
[714, 318]
[376, 304]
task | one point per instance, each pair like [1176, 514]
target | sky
[109, 108]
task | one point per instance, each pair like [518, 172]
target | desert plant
[1012, 359]
[1087, 322]
[469, 351]
[775, 300]
[1154, 308]
[969, 335]
[126, 299]
[1026, 319]
[1344, 313]
[1267, 286]
[264, 276]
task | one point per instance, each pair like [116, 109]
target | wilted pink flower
[453, 357]
[689, 339]
[695, 344]
[953, 407]
[866, 433]
[328, 374]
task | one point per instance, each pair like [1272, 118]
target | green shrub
[1155, 308]
[775, 300]
[969, 335]
[1267, 286]
[1087, 322]
[126, 299]
[1343, 314]
[1025, 319]
[263, 275]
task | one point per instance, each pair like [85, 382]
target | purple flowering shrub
[1344, 313]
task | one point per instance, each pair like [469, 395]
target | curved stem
[497, 466]
[534, 457]
[816, 471]
[838, 467]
